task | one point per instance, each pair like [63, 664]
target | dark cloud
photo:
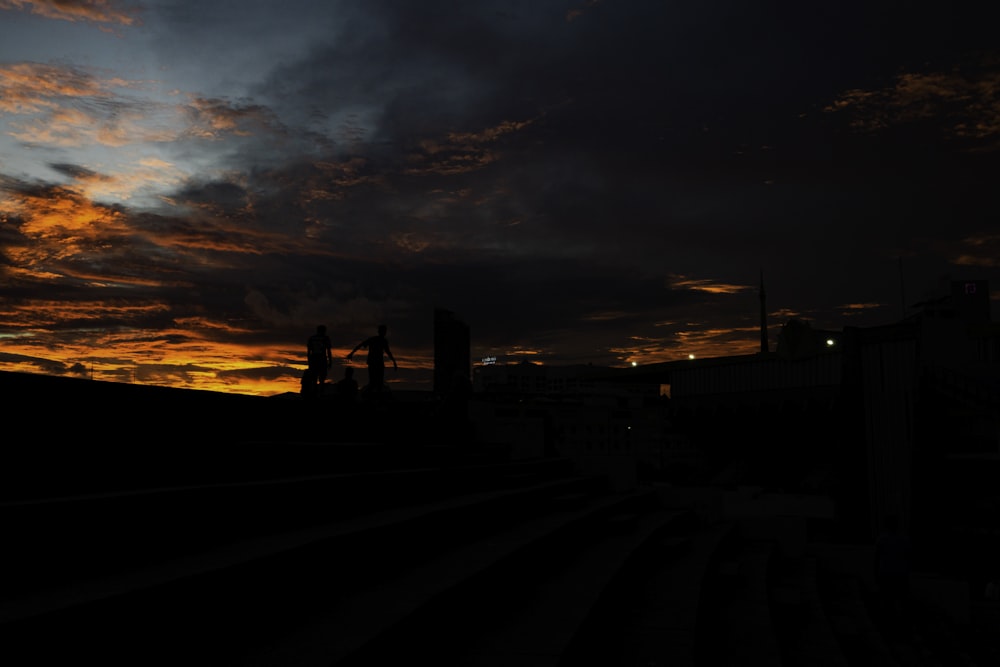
[580, 182]
[38, 364]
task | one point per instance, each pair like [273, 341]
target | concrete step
[65, 539]
[427, 612]
[807, 636]
[553, 614]
[744, 628]
[231, 595]
[653, 616]
[852, 625]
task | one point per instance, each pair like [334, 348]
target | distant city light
[489, 361]
[634, 364]
[690, 356]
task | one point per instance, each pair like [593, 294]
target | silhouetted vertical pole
[763, 315]
[902, 292]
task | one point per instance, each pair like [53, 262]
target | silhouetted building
[799, 340]
[956, 329]
[595, 416]
[531, 379]
[451, 350]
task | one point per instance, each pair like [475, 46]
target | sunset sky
[188, 187]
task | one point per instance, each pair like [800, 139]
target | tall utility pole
[902, 289]
[763, 315]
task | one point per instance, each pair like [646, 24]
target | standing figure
[319, 353]
[347, 388]
[378, 347]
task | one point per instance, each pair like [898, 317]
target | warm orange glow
[705, 285]
[185, 358]
[44, 314]
[99, 11]
[965, 101]
[64, 216]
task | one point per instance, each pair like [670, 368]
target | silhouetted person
[378, 347]
[346, 388]
[319, 353]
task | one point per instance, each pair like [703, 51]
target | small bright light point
[829, 342]
[690, 356]
[634, 364]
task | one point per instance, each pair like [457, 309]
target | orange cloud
[341, 175]
[31, 87]
[170, 357]
[704, 285]
[66, 106]
[967, 103]
[64, 216]
[860, 306]
[981, 251]
[461, 152]
[224, 236]
[213, 118]
[704, 343]
[976, 260]
[96, 11]
[44, 314]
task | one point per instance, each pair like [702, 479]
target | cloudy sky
[187, 188]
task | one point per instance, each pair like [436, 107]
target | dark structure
[225, 534]
[250, 546]
[763, 316]
[451, 350]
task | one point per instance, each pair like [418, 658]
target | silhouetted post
[763, 316]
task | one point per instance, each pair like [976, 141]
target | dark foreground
[213, 530]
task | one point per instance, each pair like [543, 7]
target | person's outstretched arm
[357, 347]
[388, 353]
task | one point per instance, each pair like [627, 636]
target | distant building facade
[531, 379]
[879, 411]
[893, 402]
[589, 414]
